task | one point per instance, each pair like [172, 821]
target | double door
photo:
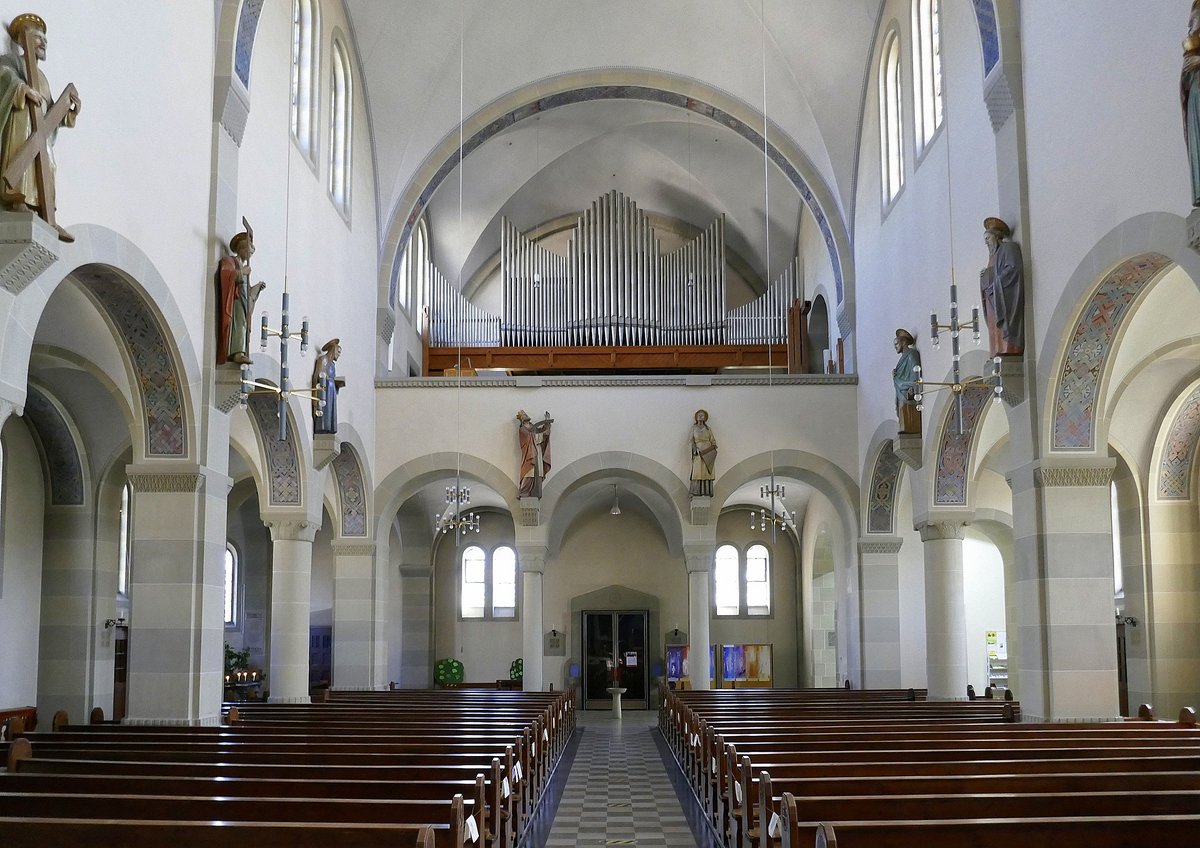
[612, 637]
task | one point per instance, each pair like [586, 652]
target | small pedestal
[616, 692]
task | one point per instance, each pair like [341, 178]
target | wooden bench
[31, 832]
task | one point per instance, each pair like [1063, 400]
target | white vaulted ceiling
[668, 160]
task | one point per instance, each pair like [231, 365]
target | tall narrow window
[305, 38]
[742, 584]
[231, 583]
[489, 583]
[890, 119]
[124, 539]
[340, 114]
[1118, 568]
[927, 68]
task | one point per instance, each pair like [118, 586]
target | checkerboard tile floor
[620, 790]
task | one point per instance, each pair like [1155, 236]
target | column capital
[935, 531]
[348, 549]
[532, 558]
[181, 477]
[284, 529]
[879, 544]
[1093, 472]
[699, 557]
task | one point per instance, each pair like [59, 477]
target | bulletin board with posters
[746, 667]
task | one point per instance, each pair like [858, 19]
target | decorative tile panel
[989, 34]
[884, 481]
[58, 448]
[1179, 453]
[954, 453]
[153, 366]
[283, 465]
[1091, 342]
[243, 49]
[618, 92]
[352, 492]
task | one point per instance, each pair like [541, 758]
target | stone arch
[1172, 474]
[618, 84]
[352, 493]
[883, 490]
[284, 482]
[50, 424]
[137, 303]
[818, 333]
[656, 485]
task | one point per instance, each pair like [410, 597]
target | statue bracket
[1193, 229]
[228, 387]
[908, 447]
[1012, 380]
[531, 512]
[326, 447]
[28, 246]
[701, 507]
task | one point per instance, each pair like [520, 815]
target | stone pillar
[177, 590]
[416, 625]
[880, 587]
[699, 567]
[945, 610]
[532, 559]
[291, 587]
[1063, 572]
[354, 616]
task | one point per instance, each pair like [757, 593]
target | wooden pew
[26, 832]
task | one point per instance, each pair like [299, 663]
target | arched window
[742, 584]
[489, 583]
[927, 68]
[891, 144]
[231, 584]
[124, 540]
[418, 248]
[306, 30]
[340, 127]
[1118, 565]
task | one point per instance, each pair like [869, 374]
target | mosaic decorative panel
[881, 509]
[1091, 342]
[283, 464]
[989, 34]
[243, 48]
[619, 92]
[59, 449]
[153, 366]
[1175, 470]
[954, 453]
[351, 490]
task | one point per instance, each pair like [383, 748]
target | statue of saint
[704, 455]
[1002, 289]
[534, 439]
[905, 376]
[1189, 92]
[235, 300]
[325, 376]
[30, 117]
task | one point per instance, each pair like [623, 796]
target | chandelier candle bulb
[265, 331]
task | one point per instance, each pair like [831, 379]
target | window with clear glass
[124, 539]
[927, 69]
[742, 582]
[305, 41]
[340, 115]
[489, 583]
[890, 114]
[231, 568]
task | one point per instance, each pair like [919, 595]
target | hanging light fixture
[777, 515]
[616, 507]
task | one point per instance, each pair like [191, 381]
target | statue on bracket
[31, 116]
[534, 439]
[325, 377]
[1189, 92]
[905, 376]
[704, 455]
[235, 299]
[1002, 289]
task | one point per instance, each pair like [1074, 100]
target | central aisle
[618, 791]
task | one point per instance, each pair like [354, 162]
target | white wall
[21, 568]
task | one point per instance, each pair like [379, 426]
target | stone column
[699, 567]
[291, 587]
[945, 610]
[177, 590]
[354, 615]
[532, 559]
[1063, 572]
[880, 586]
[416, 625]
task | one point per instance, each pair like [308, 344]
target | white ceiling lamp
[616, 507]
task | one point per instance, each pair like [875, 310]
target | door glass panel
[631, 646]
[598, 646]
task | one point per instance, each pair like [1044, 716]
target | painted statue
[235, 300]
[325, 377]
[1189, 92]
[704, 455]
[30, 117]
[534, 439]
[905, 376]
[1002, 289]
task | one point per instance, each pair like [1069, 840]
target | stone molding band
[885, 545]
[144, 481]
[1073, 475]
[348, 549]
